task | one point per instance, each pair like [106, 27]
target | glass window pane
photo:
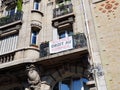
[77, 84]
[34, 37]
[65, 85]
[70, 33]
[12, 12]
[62, 35]
[36, 5]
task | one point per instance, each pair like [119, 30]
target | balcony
[77, 41]
[62, 10]
[7, 57]
[18, 56]
[11, 18]
[6, 2]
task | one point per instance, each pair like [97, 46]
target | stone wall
[107, 29]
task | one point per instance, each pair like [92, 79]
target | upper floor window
[36, 5]
[65, 32]
[11, 10]
[8, 43]
[34, 35]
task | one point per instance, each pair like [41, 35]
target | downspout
[88, 29]
[95, 69]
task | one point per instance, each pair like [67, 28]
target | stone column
[33, 77]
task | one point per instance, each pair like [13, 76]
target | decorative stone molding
[68, 20]
[98, 68]
[33, 77]
[8, 31]
[37, 24]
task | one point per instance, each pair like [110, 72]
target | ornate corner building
[59, 44]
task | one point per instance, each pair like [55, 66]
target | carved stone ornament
[33, 75]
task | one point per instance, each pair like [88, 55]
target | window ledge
[37, 11]
[34, 45]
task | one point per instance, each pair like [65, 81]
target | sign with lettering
[61, 45]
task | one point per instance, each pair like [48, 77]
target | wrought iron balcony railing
[62, 10]
[79, 41]
[11, 18]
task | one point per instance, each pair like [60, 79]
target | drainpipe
[95, 69]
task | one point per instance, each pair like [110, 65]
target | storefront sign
[61, 45]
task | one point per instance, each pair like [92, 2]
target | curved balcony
[17, 56]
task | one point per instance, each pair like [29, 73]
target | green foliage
[19, 5]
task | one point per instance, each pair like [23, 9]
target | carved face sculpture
[32, 74]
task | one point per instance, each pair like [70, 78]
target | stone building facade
[59, 44]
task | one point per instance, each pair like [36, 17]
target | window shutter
[8, 43]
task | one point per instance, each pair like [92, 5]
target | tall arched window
[72, 84]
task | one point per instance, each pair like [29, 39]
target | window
[34, 35]
[65, 32]
[8, 43]
[10, 10]
[36, 5]
[71, 84]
